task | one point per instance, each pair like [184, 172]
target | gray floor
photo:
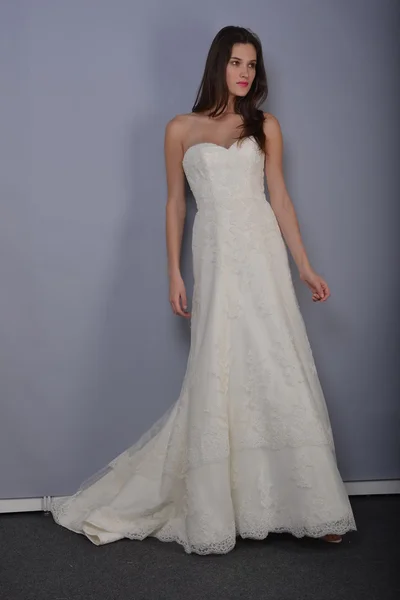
[43, 561]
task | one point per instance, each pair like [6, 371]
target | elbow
[281, 201]
[176, 206]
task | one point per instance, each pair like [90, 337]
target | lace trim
[226, 545]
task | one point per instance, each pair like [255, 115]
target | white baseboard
[11, 505]
[354, 488]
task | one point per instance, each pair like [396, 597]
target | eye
[234, 62]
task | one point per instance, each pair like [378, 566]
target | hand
[317, 285]
[177, 297]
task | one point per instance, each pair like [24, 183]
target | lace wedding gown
[247, 448]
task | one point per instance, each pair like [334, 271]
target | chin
[242, 93]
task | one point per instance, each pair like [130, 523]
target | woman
[247, 448]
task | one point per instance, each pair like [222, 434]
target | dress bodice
[223, 177]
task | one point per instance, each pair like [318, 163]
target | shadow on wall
[143, 347]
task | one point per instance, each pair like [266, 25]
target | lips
[243, 83]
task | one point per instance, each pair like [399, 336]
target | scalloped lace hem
[227, 544]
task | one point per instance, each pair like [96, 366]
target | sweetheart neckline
[213, 144]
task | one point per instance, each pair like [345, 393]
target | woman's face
[241, 69]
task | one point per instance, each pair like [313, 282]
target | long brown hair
[213, 94]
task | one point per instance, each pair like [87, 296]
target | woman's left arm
[285, 213]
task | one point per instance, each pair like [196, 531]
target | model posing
[247, 448]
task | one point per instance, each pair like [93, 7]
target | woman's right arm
[175, 213]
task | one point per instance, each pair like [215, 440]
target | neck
[229, 109]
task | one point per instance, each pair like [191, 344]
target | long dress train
[247, 448]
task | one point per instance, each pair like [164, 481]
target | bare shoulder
[272, 128]
[180, 129]
[179, 124]
[175, 127]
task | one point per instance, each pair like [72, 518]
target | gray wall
[90, 354]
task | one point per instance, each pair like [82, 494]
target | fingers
[179, 308]
[325, 291]
[176, 308]
[184, 304]
[322, 292]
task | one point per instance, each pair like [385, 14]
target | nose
[244, 72]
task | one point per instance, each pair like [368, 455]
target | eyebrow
[237, 58]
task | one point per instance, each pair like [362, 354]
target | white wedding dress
[247, 448]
